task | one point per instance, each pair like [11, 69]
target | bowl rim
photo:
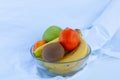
[31, 51]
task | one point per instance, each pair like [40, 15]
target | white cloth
[22, 22]
[105, 32]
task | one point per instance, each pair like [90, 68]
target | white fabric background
[22, 22]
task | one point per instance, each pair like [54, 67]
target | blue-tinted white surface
[22, 22]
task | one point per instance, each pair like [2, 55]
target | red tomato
[69, 38]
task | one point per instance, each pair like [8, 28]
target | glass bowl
[61, 68]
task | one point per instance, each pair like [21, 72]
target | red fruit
[69, 38]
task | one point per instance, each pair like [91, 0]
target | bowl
[61, 68]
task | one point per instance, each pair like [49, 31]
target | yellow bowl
[62, 68]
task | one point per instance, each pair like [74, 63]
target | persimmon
[69, 38]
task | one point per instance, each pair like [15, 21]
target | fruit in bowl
[64, 54]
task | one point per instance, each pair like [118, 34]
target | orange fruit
[38, 44]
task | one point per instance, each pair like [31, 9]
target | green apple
[51, 33]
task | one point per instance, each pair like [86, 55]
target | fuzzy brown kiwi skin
[53, 52]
